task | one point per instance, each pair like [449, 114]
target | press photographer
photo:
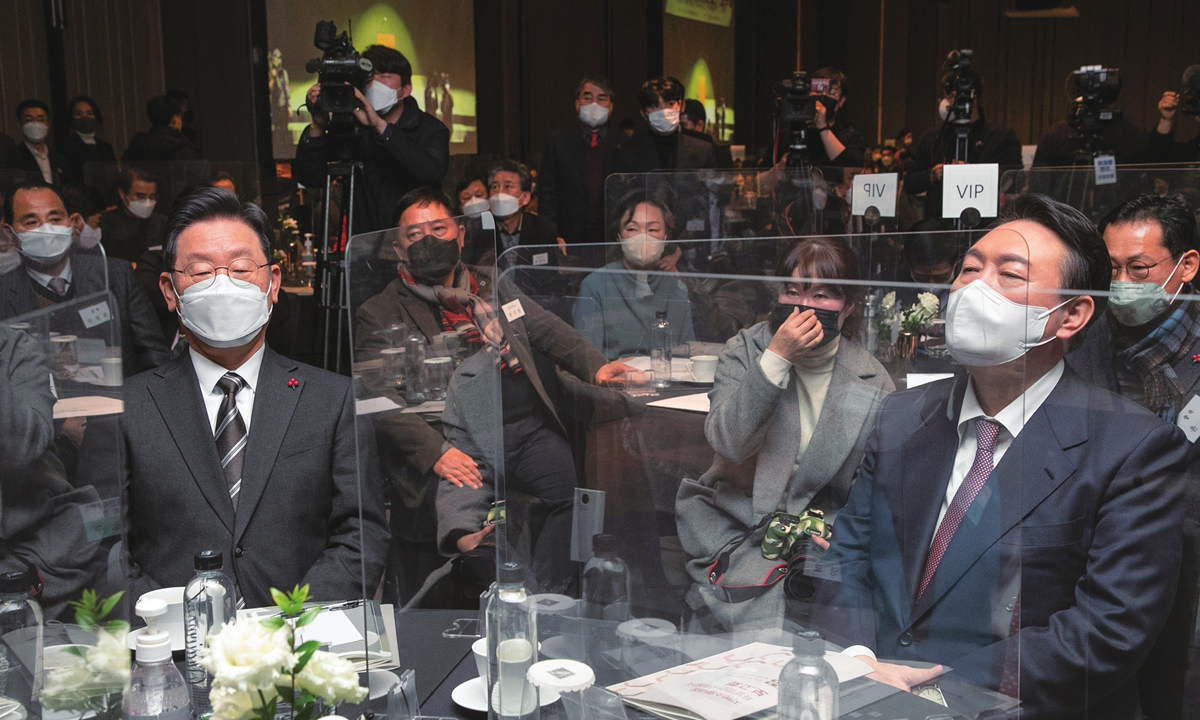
[811, 104]
[1162, 146]
[961, 108]
[380, 125]
[1093, 126]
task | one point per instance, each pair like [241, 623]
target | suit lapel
[274, 404]
[177, 396]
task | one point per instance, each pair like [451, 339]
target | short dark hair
[31, 103]
[630, 202]
[467, 183]
[929, 243]
[601, 83]
[660, 89]
[180, 96]
[627, 124]
[85, 99]
[222, 175]
[28, 186]
[209, 203]
[835, 76]
[511, 166]
[694, 110]
[161, 108]
[129, 174]
[423, 197]
[389, 60]
[824, 257]
[1086, 266]
[1174, 215]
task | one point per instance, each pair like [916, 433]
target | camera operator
[400, 147]
[1161, 146]
[841, 145]
[987, 143]
[1092, 118]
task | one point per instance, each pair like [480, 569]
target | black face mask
[432, 259]
[85, 125]
[827, 318]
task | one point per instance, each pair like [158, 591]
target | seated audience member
[662, 147]
[618, 303]
[1143, 348]
[1016, 522]
[82, 146]
[133, 227]
[164, 141]
[794, 400]
[692, 122]
[50, 273]
[232, 447]
[33, 155]
[88, 202]
[930, 255]
[522, 238]
[472, 196]
[224, 181]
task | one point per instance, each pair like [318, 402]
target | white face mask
[665, 121]
[142, 208]
[944, 108]
[35, 132]
[504, 205]
[642, 249]
[593, 114]
[224, 312]
[984, 328]
[47, 244]
[9, 261]
[1136, 303]
[476, 206]
[381, 97]
[89, 237]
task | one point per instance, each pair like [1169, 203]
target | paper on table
[87, 406]
[433, 406]
[374, 405]
[691, 403]
[332, 627]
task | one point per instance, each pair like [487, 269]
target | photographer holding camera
[1162, 146]
[400, 147]
[840, 146]
[985, 142]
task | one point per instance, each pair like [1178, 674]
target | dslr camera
[340, 70]
[963, 83]
[1189, 96]
[1094, 89]
[797, 99]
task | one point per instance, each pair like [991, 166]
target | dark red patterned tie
[594, 139]
[986, 431]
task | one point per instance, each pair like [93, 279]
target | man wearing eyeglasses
[1145, 348]
[233, 447]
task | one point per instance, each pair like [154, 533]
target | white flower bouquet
[90, 680]
[920, 314]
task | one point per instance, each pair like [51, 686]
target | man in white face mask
[400, 146]
[999, 514]
[34, 154]
[133, 227]
[47, 273]
[662, 146]
[510, 188]
[233, 447]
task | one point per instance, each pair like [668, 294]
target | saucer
[472, 695]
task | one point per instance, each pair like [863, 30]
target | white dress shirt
[43, 279]
[208, 373]
[43, 161]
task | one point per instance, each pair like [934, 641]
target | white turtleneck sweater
[814, 371]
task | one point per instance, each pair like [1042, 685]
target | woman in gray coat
[794, 400]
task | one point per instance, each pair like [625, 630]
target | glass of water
[394, 371]
[437, 372]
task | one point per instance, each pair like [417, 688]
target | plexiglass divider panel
[1080, 187]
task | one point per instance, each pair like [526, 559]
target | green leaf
[272, 623]
[305, 656]
[308, 616]
[76, 650]
[285, 692]
[281, 600]
[309, 646]
[107, 606]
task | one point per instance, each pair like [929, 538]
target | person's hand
[366, 115]
[936, 172]
[72, 429]
[467, 543]
[1168, 105]
[562, 245]
[797, 335]
[457, 468]
[493, 333]
[820, 542]
[319, 117]
[900, 676]
[612, 371]
[670, 263]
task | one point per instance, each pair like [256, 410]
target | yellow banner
[713, 12]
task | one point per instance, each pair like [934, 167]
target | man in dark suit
[575, 163]
[692, 123]
[1016, 523]
[50, 274]
[164, 141]
[34, 155]
[523, 239]
[232, 447]
[662, 147]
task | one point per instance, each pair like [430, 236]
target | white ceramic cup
[479, 650]
[703, 368]
[112, 371]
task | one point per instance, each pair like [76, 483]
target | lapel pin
[293, 383]
[1196, 358]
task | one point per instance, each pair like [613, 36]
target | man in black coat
[165, 141]
[662, 147]
[692, 123]
[34, 155]
[575, 164]
[523, 239]
[400, 147]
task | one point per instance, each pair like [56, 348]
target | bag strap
[742, 593]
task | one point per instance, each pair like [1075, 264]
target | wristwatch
[932, 693]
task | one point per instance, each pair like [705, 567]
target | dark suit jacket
[989, 143]
[1081, 517]
[562, 182]
[75, 152]
[27, 162]
[142, 344]
[638, 154]
[298, 513]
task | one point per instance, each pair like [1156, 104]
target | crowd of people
[1030, 521]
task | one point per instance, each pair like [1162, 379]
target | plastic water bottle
[21, 628]
[156, 688]
[808, 685]
[208, 603]
[606, 582]
[512, 648]
[660, 350]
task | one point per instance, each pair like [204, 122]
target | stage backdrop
[438, 38]
[698, 49]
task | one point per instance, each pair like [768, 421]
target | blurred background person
[133, 227]
[662, 147]
[83, 145]
[164, 141]
[34, 155]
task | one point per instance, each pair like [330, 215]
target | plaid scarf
[458, 305]
[1150, 362]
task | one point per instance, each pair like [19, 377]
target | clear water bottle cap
[808, 643]
[510, 573]
[18, 581]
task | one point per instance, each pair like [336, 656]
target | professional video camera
[340, 70]
[797, 108]
[961, 81]
[1189, 96]
[1094, 89]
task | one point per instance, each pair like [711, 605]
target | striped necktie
[231, 434]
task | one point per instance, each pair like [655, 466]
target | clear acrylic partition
[62, 510]
[174, 178]
[1078, 187]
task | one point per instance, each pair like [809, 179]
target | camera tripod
[331, 267]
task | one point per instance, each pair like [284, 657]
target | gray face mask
[1134, 304]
